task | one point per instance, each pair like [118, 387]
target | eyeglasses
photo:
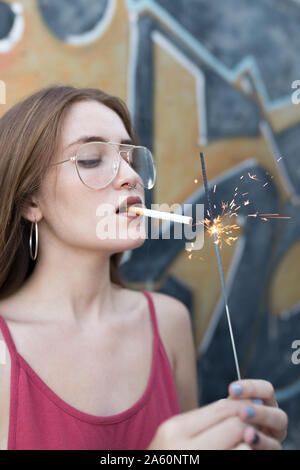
[97, 163]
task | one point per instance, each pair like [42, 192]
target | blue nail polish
[255, 440]
[257, 401]
[237, 389]
[250, 412]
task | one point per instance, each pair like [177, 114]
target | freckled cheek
[63, 205]
[75, 203]
[80, 208]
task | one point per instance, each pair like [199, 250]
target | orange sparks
[279, 217]
[222, 231]
[267, 216]
[224, 205]
[193, 255]
[253, 177]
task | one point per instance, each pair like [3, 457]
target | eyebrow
[97, 138]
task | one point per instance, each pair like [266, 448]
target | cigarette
[183, 219]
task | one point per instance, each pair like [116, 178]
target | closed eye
[89, 163]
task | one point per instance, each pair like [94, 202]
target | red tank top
[39, 419]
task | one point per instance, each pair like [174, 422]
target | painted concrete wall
[197, 75]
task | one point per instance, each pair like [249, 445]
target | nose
[126, 174]
[124, 154]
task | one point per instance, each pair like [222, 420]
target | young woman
[87, 363]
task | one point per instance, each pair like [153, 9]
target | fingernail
[250, 412]
[257, 401]
[237, 389]
[255, 439]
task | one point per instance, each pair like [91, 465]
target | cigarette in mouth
[183, 219]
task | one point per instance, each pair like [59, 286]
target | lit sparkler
[214, 230]
[219, 227]
[221, 230]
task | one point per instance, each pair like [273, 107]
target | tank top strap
[152, 312]
[8, 338]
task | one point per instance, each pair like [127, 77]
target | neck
[73, 281]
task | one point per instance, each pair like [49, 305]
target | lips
[132, 200]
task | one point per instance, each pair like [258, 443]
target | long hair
[30, 133]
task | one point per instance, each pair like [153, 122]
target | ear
[31, 210]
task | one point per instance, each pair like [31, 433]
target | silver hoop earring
[36, 240]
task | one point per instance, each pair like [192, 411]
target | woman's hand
[269, 422]
[216, 426]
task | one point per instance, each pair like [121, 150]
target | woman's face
[80, 216]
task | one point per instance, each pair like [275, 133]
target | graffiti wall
[197, 75]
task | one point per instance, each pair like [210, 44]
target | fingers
[225, 435]
[242, 446]
[198, 420]
[275, 419]
[259, 441]
[223, 425]
[254, 388]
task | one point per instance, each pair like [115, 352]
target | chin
[130, 243]
[125, 244]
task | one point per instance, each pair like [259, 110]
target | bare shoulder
[11, 307]
[171, 310]
[173, 318]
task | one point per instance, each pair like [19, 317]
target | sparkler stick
[221, 273]
[183, 219]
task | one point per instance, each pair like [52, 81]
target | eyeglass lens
[97, 163]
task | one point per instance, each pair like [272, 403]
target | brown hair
[29, 130]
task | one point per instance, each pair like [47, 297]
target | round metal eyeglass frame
[116, 168]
